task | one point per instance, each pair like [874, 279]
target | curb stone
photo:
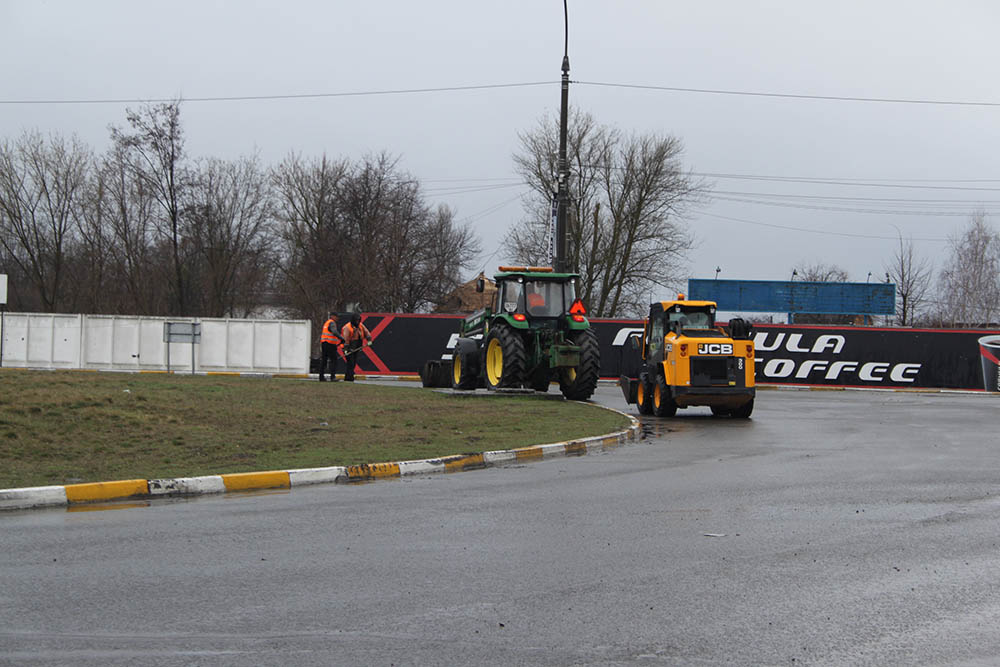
[76, 494]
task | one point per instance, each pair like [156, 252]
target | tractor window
[543, 299]
[510, 297]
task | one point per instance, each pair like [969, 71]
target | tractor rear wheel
[663, 404]
[505, 358]
[579, 382]
[462, 375]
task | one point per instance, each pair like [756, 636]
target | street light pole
[562, 193]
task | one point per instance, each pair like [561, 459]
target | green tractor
[534, 332]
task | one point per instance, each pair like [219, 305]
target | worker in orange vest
[331, 341]
[356, 336]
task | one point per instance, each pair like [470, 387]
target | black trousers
[329, 353]
[352, 363]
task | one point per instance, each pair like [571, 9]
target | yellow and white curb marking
[73, 494]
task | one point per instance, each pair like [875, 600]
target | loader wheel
[721, 412]
[462, 376]
[505, 358]
[743, 412]
[663, 404]
[579, 383]
[644, 398]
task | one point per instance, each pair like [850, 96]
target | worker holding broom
[356, 336]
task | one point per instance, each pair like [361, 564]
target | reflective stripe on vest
[328, 336]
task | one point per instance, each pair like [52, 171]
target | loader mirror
[480, 285]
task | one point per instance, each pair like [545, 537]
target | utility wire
[885, 200]
[815, 231]
[843, 209]
[796, 96]
[302, 96]
[523, 84]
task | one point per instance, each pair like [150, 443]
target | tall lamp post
[562, 193]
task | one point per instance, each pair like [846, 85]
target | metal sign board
[182, 332]
[777, 296]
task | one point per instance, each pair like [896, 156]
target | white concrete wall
[112, 342]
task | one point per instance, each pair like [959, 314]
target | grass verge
[66, 427]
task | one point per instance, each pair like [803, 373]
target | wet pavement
[831, 528]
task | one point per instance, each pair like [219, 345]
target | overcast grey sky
[864, 171]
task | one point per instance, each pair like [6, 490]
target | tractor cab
[534, 293]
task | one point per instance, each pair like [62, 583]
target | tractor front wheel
[505, 358]
[579, 382]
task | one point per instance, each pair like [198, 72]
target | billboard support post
[3, 308]
[181, 332]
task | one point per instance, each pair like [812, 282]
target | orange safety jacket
[330, 334]
[351, 334]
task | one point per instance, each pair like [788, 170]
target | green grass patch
[64, 427]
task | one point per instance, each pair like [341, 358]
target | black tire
[428, 374]
[721, 412]
[579, 383]
[744, 411]
[463, 372]
[663, 403]
[504, 358]
[644, 398]
[540, 379]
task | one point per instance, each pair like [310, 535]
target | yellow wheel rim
[641, 395]
[456, 368]
[494, 361]
[657, 398]
[570, 375]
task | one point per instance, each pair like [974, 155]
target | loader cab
[680, 318]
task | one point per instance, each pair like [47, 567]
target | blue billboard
[797, 296]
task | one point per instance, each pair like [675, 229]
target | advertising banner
[785, 354]
[872, 357]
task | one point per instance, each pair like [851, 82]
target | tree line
[145, 230]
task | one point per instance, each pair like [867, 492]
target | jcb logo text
[715, 348]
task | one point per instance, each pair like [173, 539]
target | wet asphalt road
[832, 528]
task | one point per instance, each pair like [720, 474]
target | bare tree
[626, 233]
[970, 278]
[41, 188]
[153, 145]
[819, 272]
[127, 209]
[823, 273]
[362, 233]
[313, 246]
[229, 212]
[445, 248]
[413, 255]
[913, 277]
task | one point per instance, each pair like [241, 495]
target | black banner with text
[786, 354]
